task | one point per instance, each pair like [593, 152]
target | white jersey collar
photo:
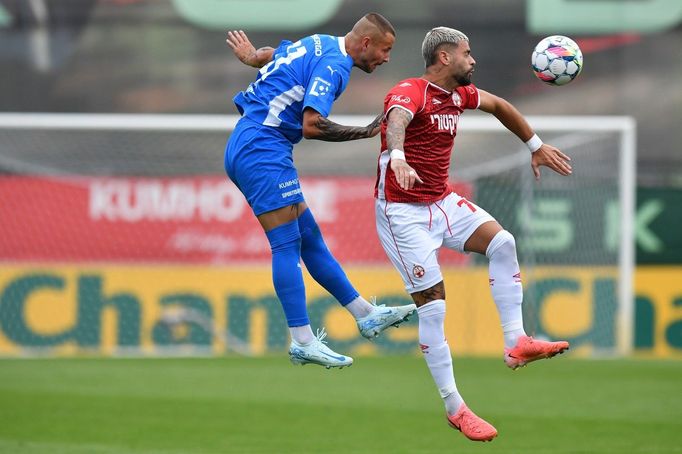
[342, 45]
[438, 86]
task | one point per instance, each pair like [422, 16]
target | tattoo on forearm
[398, 119]
[377, 121]
[334, 132]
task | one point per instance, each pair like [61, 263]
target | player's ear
[444, 57]
[366, 41]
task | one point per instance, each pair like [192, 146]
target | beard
[463, 80]
[366, 66]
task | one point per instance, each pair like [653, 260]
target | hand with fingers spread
[550, 156]
[246, 52]
[404, 174]
[241, 46]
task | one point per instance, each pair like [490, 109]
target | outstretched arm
[397, 122]
[245, 51]
[315, 126]
[543, 154]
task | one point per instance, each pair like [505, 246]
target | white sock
[505, 285]
[437, 353]
[302, 335]
[359, 307]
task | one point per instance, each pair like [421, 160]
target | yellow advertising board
[215, 310]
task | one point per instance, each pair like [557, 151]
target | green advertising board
[658, 226]
[581, 225]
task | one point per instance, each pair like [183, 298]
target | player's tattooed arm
[315, 126]
[406, 176]
[398, 119]
[246, 52]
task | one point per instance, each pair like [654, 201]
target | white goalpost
[627, 169]
[575, 234]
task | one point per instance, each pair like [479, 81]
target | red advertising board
[173, 220]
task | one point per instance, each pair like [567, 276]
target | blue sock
[320, 262]
[285, 243]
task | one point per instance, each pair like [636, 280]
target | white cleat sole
[297, 361]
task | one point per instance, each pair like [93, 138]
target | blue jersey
[312, 72]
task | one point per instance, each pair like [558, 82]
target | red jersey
[429, 138]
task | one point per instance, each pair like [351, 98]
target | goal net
[121, 234]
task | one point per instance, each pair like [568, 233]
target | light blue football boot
[382, 317]
[316, 352]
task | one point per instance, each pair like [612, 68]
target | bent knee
[503, 242]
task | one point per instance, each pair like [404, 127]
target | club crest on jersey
[418, 271]
[457, 99]
[401, 99]
[320, 87]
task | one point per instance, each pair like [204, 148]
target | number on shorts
[464, 201]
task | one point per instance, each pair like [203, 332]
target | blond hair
[437, 37]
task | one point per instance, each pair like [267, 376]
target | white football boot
[316, 352]
[382, 317]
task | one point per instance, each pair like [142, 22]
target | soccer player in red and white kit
[417, 213]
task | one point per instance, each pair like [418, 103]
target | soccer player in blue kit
[291, 98]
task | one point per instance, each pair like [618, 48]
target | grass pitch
[387, 404]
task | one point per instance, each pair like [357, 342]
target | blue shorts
[259, 160]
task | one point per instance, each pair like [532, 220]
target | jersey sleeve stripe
[426, 88]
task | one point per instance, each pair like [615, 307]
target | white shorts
[412, 233]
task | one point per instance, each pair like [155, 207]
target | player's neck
[441, 79]
[351, 43]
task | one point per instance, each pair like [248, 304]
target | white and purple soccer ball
[557, 60]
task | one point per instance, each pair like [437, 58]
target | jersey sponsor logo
[457, 99]
[291, 193]
[332, 70]
[318, 45]
[418, 271]
[405, 84]
[517, 277]
[424, 348]
[436, 101]
[320, 87]
[401, 99]
[286, 184]
[445, 122]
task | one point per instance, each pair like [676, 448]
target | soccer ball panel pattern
[557, 60]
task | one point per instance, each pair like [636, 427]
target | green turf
[389, 404]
